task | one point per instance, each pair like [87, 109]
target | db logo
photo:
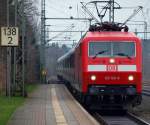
[111, 67]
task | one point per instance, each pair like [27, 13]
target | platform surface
[51, 105]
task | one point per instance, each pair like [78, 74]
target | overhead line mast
[43, 42]
[111, 11]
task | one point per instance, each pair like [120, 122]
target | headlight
[111, 61]
[93, 77]
[130, 78]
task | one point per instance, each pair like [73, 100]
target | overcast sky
[68, 8]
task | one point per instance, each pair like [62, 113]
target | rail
[146, 92]
[127, 119]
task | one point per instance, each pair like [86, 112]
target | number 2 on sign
[10, 40]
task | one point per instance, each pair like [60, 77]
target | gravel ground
[143, 111]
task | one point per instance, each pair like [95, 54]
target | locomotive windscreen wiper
[101, 52]
[123, 54]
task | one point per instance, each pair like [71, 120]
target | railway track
[128, 119]
[146, 89]
[146, 92]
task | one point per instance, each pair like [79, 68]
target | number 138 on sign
[9, 36]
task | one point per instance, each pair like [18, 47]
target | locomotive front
[112, 68]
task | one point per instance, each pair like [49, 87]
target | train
[104, 69]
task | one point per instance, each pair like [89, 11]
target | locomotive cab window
[115, 49]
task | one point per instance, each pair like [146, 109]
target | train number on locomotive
[112, 68]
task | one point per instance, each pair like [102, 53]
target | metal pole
[43, 41]
[59, 18]
[145, 30]
[64, 31]
[8, 86]
[14, 66]
[111, 11]
[44, 45]
[23, 41]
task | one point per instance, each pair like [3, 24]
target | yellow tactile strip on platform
[60, 118]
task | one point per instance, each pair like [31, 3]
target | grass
[9, 104]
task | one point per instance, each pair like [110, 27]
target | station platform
[51, 104]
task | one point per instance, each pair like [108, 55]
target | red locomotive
[105, 69]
